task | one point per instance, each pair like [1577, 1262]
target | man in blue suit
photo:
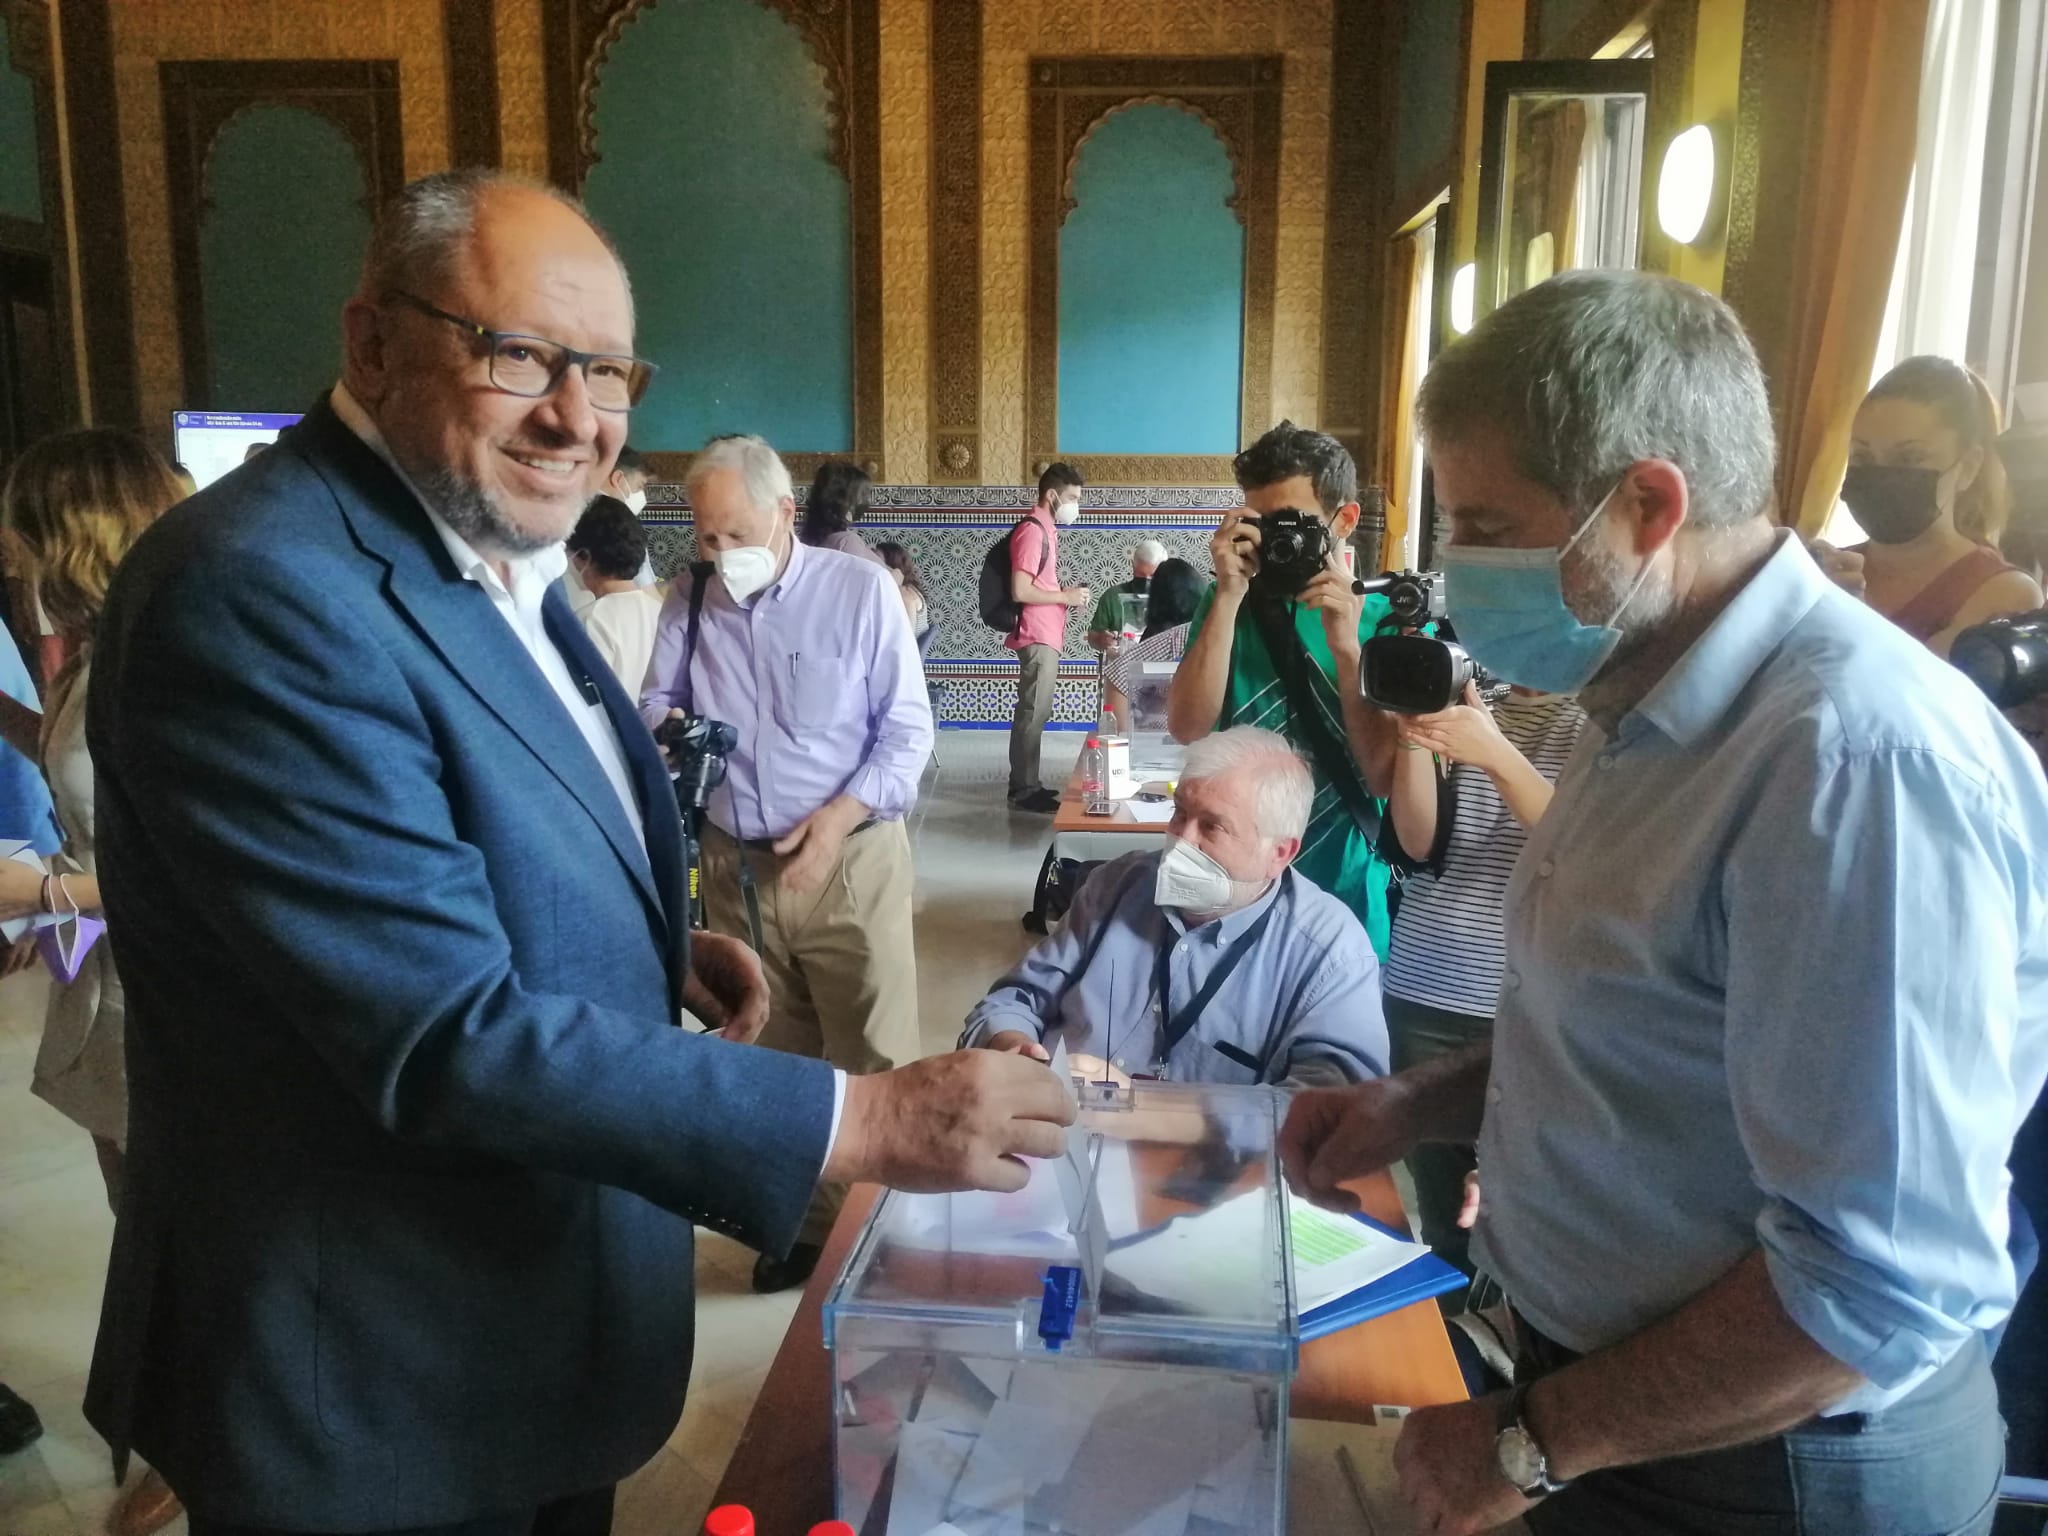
[416, 1142]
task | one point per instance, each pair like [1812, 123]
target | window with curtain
[1934, 275]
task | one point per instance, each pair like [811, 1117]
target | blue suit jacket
[415, 1142]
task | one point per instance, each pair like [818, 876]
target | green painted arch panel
[21, 181]
[1151, 341]
[715, 176]
[280, 244]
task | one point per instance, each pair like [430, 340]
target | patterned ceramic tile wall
[948, 529]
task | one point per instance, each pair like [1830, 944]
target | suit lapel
[651, 783]
[458, 620]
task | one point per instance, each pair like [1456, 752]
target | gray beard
[1603, 585]
[468, 509]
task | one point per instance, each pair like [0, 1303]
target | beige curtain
[1858, 170]
[1397, 389]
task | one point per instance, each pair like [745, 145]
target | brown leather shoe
[149, 1507]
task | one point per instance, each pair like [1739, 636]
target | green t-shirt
[1109, 609]
[1334, 853]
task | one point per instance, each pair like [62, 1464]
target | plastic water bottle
[1095, 779]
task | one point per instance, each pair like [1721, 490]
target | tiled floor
[975, 865]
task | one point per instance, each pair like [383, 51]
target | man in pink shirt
[1041, 629]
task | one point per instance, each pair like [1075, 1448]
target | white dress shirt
[519, 606]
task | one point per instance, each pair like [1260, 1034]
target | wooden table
[782, 1467]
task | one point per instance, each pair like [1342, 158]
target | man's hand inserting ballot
[961, 1121]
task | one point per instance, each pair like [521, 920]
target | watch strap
[1516, 1416]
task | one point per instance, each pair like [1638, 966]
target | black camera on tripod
[2006, 658]
[1293, 546]
[1417, 674]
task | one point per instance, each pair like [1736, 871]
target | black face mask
[1895, 503]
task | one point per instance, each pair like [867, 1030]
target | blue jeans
[1926, 1466]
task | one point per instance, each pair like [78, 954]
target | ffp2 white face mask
[746, 570]
[636, 503]
[1190, 881]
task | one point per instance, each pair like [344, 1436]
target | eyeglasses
[533, 366]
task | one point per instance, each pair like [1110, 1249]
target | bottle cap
[833, 1528]
[729, 1520]
[1093, 741]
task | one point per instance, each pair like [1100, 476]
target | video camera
[2006, 658]
[1293, 546]
[1412, 673]
[1416, 597]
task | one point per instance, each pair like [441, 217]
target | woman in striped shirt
[1468, 785]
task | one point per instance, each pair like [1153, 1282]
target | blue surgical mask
[1508, 608]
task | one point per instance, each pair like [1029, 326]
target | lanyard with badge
[1174, 1025]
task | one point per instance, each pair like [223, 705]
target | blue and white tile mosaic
[948, 529]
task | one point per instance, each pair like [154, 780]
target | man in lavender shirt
[808, 653]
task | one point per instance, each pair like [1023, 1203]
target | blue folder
[1418, 1280]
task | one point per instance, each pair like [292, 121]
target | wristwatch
[1519, 1457]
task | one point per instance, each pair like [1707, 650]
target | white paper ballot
[1149, 813]
[928, 1465]
[1334, 1255]
[1208, 1263]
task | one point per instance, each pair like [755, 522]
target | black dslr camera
[2006, 658]
[1416, 674]
[1293, 546]
[697, 750]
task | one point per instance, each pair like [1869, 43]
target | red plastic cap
[729, 1520]
[833, 1528]
[1094, 741]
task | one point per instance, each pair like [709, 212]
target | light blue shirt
[25, 808]
[1303, 1002]
[1776, 975]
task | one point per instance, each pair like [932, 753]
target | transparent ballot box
[1105, 1353]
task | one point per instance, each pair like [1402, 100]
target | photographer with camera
[1469, 783]
[808, 652]
[1276, 643]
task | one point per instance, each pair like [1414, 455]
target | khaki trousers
[1038, 668]
[841, 965]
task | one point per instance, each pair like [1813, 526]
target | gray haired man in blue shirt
[1776, 995]
[1213, 961]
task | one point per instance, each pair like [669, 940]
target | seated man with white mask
[1212, 961]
